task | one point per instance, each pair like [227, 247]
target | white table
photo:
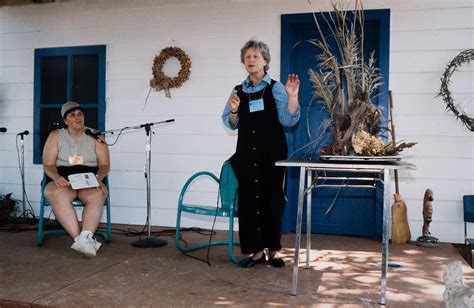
[319, 168]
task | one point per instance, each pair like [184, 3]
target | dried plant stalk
[347, 84]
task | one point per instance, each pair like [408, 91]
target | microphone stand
[22, 174]
[149, 242]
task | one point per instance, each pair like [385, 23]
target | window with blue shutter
[67, 74]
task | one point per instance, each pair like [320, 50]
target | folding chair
[227, 208]
[76, 203]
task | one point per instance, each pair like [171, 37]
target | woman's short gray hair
[261, 46]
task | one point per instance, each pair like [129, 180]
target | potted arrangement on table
[347, 83]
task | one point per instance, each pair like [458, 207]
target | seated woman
[69, 151]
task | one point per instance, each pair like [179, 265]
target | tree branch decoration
[162, 82]
[347, 83]
[464, 57]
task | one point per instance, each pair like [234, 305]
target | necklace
[75, 157]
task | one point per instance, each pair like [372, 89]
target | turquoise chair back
[228, 186]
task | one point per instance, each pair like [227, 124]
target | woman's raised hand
[234, 102]
[292, 85]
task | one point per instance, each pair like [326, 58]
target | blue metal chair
[468, 205]
[76, 203]
[227, 208]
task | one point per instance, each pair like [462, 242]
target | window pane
[85, 79]
[91, 117]
[54, 80]
[51, 119]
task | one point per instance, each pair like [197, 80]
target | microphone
[3, 129]
[23, 133]
[94, 135]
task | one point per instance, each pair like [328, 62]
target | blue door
[356, 212]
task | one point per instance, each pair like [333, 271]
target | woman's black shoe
[249, 261]
[276, 262]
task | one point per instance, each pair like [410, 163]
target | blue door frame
[290, 24]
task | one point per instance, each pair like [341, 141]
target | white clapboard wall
[425, 36]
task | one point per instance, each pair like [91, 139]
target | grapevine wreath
[464, 57]
[162, 82]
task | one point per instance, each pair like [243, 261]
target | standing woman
[259, 108]
[68, 151]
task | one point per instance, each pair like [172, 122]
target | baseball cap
[68, 107]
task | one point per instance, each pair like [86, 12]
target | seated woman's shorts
[66, 171]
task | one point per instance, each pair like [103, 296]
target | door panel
[354, 211]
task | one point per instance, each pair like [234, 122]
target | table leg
[299, 218]
[385, 225]
[308, 217]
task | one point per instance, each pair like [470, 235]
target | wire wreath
[162, 82]
[464, 57]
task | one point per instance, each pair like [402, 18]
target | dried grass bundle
[347, 84]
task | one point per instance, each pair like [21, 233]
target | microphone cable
[89, 133]
[118, 136]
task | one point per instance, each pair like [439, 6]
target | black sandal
[276, 262]
[249, 261]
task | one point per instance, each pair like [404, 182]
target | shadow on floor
[344, 271]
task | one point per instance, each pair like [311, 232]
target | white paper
[83, 180]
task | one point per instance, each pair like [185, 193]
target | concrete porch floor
[344, 273]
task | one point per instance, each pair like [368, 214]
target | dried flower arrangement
[347, 84]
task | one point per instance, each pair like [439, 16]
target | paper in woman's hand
[83, 180]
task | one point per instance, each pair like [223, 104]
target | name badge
[256, 105]
[75, 160]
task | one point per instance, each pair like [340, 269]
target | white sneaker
[86, 246]
[97, 244]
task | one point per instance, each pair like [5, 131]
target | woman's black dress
[261, 142]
